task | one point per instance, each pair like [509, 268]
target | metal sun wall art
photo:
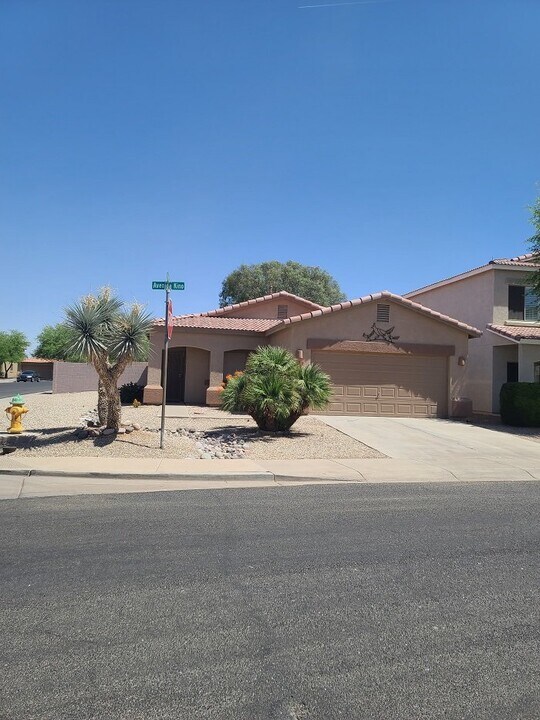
[378, 333]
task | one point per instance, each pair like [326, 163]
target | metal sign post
[166, 285]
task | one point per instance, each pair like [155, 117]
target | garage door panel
[405, 410]
[404, 392]
[371, 384]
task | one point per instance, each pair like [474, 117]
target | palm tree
[109, 336]
[275, 389]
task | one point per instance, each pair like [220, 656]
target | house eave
[470, 273]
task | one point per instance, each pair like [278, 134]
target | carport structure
[385, 355]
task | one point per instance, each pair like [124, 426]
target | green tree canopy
[13, 347]
[53, 343]
[251, 281]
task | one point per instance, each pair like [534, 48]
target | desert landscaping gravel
[52, 420]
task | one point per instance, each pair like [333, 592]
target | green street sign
[162, 285]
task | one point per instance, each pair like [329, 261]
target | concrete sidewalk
[418, 451]
[73, 476]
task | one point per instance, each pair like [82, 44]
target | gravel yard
[52, 420]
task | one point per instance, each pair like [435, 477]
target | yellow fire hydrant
[15, 412]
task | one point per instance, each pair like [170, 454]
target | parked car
[28, 375]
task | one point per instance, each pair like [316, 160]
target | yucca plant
[275, 389]
[110, 336]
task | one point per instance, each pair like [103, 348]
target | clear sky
[391, 143]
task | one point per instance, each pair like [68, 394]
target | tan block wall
[81, 377]
[44, 370]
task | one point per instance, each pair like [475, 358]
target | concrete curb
[232, 476]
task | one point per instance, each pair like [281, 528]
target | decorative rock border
[90, 427]
[222, 446]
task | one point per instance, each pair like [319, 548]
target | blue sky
[391, 143]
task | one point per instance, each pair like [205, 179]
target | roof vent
[383, 313]
[282, 312]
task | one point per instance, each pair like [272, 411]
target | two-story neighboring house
[496, 298]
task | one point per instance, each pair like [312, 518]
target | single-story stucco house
[386, 355]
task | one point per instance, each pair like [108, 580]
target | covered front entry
[385, 384]
[176, 375]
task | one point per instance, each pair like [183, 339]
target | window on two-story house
[523, 303]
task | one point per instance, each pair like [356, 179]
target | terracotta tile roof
[527, 260]
[202, 322]
[282, 295]
[268, 326]
[516, 332]
[384, 295]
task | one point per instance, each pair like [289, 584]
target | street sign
[163, 285]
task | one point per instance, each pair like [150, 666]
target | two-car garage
[385, 355]
[402, 385]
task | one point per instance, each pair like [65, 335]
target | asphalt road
[9, 389]
[320, 602]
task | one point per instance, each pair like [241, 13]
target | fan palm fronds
[275, 389]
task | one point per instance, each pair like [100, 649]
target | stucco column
[525, 366]
[216, 378]
[153, 392]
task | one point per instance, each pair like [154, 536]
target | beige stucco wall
[479, 300]
[410, 326]
[528, 355]
[269, 309]
[198, 373]
[234, 360]
[470, 300]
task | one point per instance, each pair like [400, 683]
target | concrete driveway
[454, 446]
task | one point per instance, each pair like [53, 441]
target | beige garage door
[391, 385]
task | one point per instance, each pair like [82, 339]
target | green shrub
[275, 389]
[130, 392]
[520, 404]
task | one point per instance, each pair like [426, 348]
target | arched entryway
[188, 375]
